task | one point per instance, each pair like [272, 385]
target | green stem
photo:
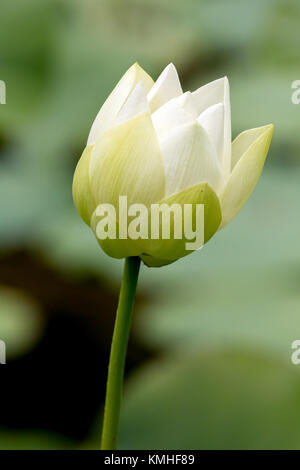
[118, 353]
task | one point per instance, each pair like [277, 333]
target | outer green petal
[163, 251]
[126, 161]
[249, 152]
[116, 248]
[82, 194]
[120, 248]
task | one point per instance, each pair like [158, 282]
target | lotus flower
[155, 144]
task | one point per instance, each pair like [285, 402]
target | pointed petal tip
[136, 66]
[166, 87]
[171, 66]
[266, 126]
[259, 130]
[225, 81]
[222, 79]
[169, 70]
[270, 127]
[268, 132]
[133, 66]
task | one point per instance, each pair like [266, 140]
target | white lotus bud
[155, 144]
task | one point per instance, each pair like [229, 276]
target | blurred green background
[209, 362]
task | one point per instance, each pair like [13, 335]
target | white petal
[208, 95]
[110, 109]
[135, 105]
[189, 159]
[174, 113]
[212, 119]
[166, 87]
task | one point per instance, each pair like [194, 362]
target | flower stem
[118, 353]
